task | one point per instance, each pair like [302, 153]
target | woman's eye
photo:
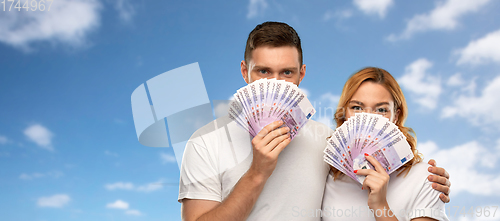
[356, 108]
[382, 110]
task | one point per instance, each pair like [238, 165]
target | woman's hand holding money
[376, 182]
[267, 145]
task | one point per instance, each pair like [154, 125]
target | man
[227, 175]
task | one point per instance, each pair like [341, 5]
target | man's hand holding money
[267, 145]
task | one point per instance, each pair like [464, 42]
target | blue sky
[68, 146]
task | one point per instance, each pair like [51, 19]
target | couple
[228, 175]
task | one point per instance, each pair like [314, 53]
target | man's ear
[302, 73]
[244, 71]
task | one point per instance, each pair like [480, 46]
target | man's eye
[287, 73]
[263, 71]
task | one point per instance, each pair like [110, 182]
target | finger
[439, 179]
[444, 198]
[276, 141]
[277, 150]
[432, 162]
[373, 176]
[375, 163]
[441, 188]
[270, 127]
[274, 134]
[439, 171]
[365, 172]
[372, 182]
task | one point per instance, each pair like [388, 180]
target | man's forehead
[268, 56]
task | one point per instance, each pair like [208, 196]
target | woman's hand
[376, 182]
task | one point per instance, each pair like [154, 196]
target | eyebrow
[361, 103]
[356, 102]
[283, 69]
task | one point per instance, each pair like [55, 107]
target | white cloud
[149, 187]
[444, 16]
[68, 22]
[374, 7]
[24, 176]
[119, 186]
[109, 153]
[326, 107]
[256, 7]
[55, 201]
[220, 110]
[118, 204]
[40, 135]
[480, 51]
[464, 164]
[455, 80]
[306, 92]
[125, 10]
[3, 139]
[479, 110]
[168, 158]
[133, 212]
[54, 174]
[329, 100]
[424, 87]
[339, 14]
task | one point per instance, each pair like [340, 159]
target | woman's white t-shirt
[409, 197]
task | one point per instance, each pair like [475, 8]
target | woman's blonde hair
[382, 77]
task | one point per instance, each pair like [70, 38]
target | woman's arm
[376, 182]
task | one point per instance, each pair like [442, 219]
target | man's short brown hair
[274, 34]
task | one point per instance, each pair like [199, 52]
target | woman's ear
[396, 116]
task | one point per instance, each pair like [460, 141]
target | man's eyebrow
[290, 69]
[283, 69]
[260, 67]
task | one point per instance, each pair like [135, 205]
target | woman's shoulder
[420, 169]
[416, 176]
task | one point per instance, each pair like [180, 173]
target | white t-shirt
[408, 197]
[220, 153]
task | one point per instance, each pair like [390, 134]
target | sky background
[68, 145]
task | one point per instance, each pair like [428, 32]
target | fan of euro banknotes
[267, 100]
[367, 133]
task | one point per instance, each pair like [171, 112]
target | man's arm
[441, 181]
[267, 145]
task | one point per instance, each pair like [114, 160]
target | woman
[406, 194]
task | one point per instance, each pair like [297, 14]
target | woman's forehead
[370, 93]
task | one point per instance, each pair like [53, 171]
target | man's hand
[267, 145]
[441, 181]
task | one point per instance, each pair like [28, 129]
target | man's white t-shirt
[220, 153]
[408, 197]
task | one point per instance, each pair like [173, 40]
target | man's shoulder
[213, 126]
[217, 130]
[316, 129]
